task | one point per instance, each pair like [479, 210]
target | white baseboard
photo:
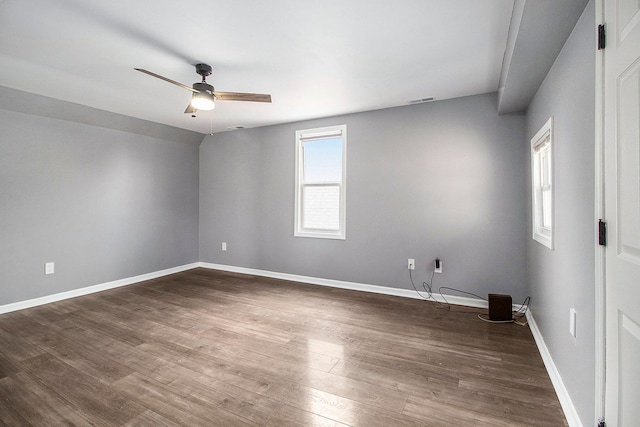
[563, 394]
[354, 286]
[21, 305]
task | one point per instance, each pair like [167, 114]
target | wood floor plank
[151, 419]
[469, 363]
[443, 414]
[337, 408]
[182, 409]
[99, 322]
[7, 367]
[396, 379]
[92, 361]
[342, 386]
[16, 348]
[45, 315]
[103, 404]
[10, 412]
[505, 388]
[236, 400]
[204, 347]
[36, 405]
[490, 408]
[18, 324]
[294, 417]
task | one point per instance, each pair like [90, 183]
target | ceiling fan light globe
[203, 102]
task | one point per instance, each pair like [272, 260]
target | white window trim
[321, 133]
[543, 235]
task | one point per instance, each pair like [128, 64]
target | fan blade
[237, 96]
[166, 79]
[190, 109]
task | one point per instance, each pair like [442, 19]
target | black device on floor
[500, 307]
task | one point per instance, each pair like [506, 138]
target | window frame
[319, 134]
[542, 154]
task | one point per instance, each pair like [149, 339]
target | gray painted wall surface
[565, 278]
[29, 103]
[103, 204]
[444, 179]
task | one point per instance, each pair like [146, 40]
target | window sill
[543, 240]
[320, 235]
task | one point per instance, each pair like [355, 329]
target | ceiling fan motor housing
[203, 87]
[203, 69]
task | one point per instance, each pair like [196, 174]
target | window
[321, 158]
[542, 185]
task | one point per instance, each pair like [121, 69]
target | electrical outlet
[437, 266]
[224, 246]
[49, 268]
[411, 265]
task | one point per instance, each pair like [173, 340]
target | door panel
[629, 163]
[622, 211]
[629, 390]
[628, 16]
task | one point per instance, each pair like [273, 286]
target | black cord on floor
[428, 288]
[429, 291]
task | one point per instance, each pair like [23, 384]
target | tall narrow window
[542, 185]
[321, 158]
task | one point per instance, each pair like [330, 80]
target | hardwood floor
[210, 348]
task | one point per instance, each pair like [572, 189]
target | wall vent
[421, 100]
[235, 127]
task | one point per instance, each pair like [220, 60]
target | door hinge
[602, 37]
[602, 233]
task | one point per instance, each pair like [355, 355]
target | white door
[622, 208]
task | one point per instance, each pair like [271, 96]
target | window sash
[545, 199]
[542, 185]
[311, 219]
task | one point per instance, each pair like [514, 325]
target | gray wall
[565, 278]
[103, 204]
[443, 179]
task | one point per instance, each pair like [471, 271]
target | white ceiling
[316, 58]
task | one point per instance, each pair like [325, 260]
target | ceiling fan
[204, 96]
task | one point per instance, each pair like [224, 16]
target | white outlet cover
[572, 322]
[224, 246]
[49, 268]
[439, 269]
